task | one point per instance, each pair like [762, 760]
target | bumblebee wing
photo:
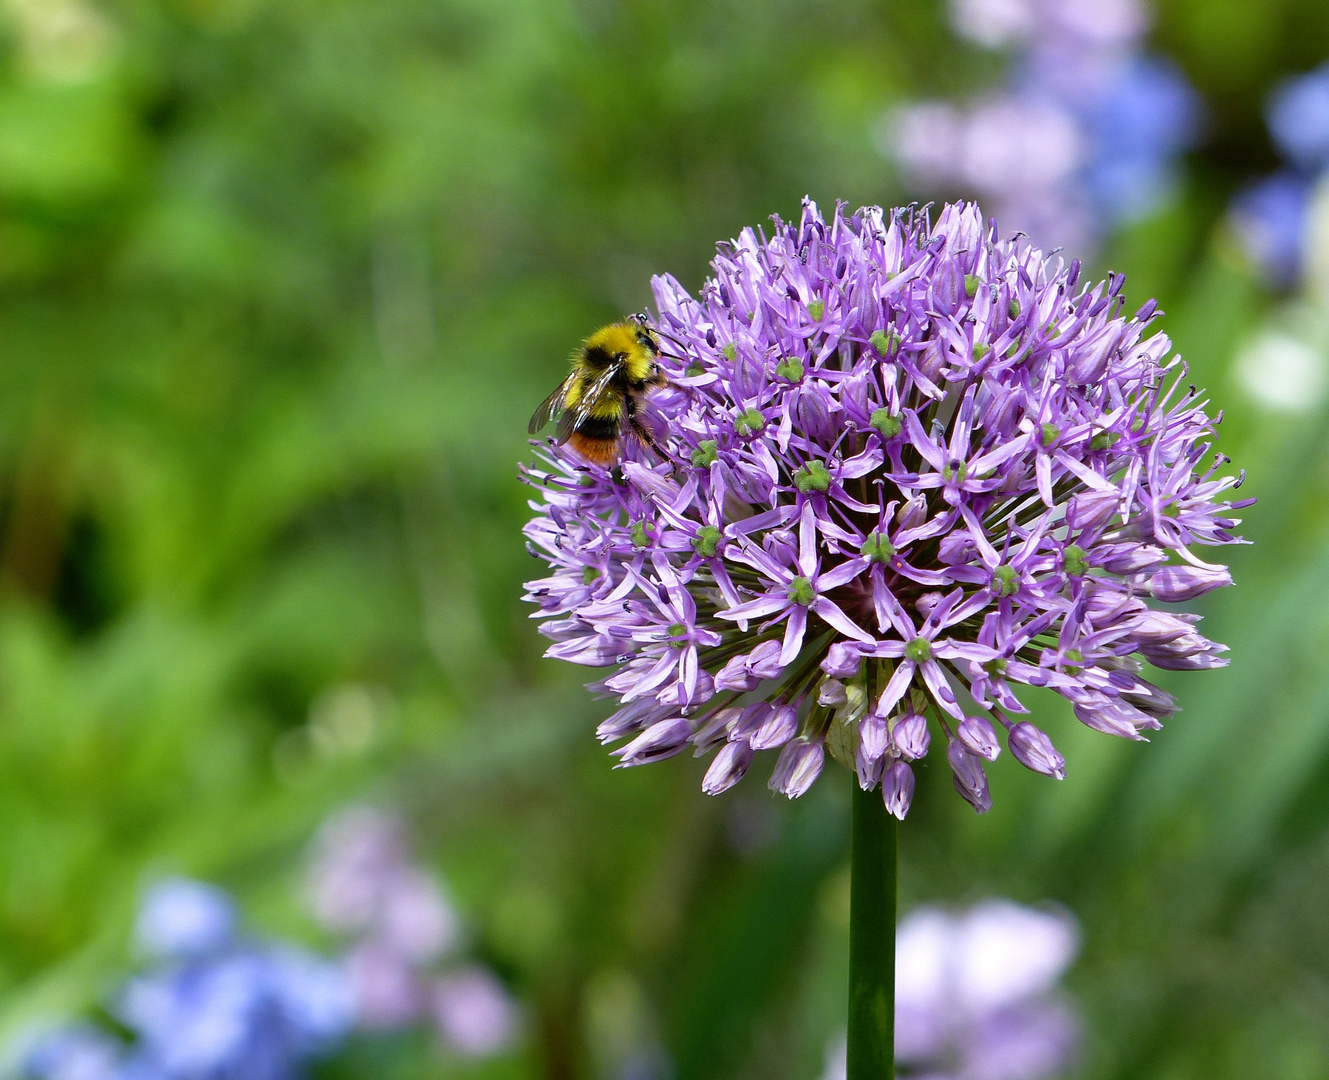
[552, 404]
[591, 396]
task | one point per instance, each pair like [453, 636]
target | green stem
[871, 939]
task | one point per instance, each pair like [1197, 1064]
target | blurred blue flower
[1147, 116]
[180, 918]
[253, 1014]
[1269, 219]
[214, 1008]
[1298, 119]
[79, 1052]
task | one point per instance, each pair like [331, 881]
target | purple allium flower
[918, 459]
[976, 994]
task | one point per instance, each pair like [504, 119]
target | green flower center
[589, 574]
[705, 453]
[800, 591]
[971, 284]
[817, 308]
[996, 667]
[956, 472]
[1049, 433]
[1007, 580]
[1014, 309]
[790, 368]
[641, 534]
[729, 350]
[707, 541]
[814, 476]
[877, 548]
[889, 425]
[885, 342]
[749, 422]
[981, 349]
[919, 650]
[1104, 439]
[1075, 560]
[677, 630]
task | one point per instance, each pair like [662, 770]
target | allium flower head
[912, 467]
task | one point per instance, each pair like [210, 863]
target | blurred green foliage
[280, 282]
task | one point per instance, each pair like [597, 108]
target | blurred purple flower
[361, 879]
[473, 1013]
[180, 918]
[998, 23]
[385, 986]
[910, 461]
[976, 994]
[1086, 135]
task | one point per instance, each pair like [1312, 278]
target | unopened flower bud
[751, 719]
[867, 769]
[1129, 558]
[968, 777]
[1034, 750]
[955, 548]
[831, 692]
[897, 788]
[911, 736]
[874, 737]
[1177, 584]
[659, 741]
[736, 676]
[1091, 509]
[798, 766]
[978, 736]
[716, 729]
[842, 660]
[728, 767]
[1160, 627]
[777, 729]
[912, 513]
[764, 660]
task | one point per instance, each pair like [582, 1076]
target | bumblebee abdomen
[599, 427]
[597, 451]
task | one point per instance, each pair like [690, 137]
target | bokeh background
[281, 282]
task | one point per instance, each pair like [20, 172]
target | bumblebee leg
[639, 429]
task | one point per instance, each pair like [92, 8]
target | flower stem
[871, 939]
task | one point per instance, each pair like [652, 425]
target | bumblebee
[599, 404]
